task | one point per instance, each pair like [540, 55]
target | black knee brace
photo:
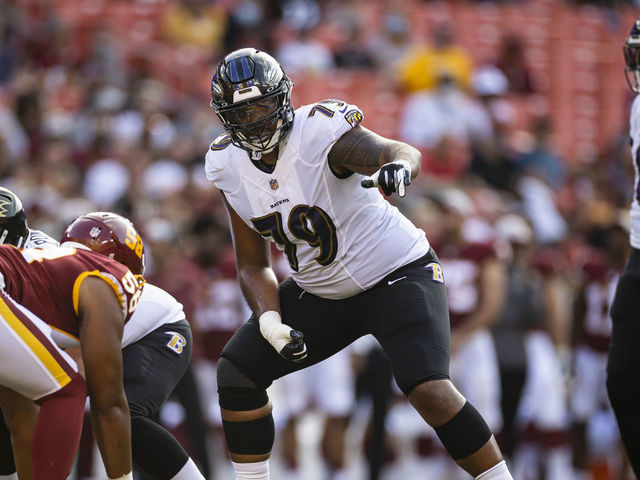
[254, 437]
[465, 433]
[236, 391]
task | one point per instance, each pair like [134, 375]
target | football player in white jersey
[156, 343]
[357, 265]
[623, 367]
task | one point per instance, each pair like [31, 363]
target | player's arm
[558, 317]
[255, 275]
[259, 285]
[100, 339]
[391, 164]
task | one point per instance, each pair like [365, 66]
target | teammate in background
[623, 367]
[156, 346]
[357, 265]
[543, 444]
[84, 297]
[592, 335]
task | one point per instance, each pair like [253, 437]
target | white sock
[339, 475]
[498, 472]
[251, 471]
[188, 472]
[13, 476]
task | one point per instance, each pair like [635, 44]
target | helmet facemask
[15, 230]
[251, 95]
[13, 221]
[258, 124]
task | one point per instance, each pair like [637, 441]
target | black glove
[295, 351]
[391, 177]
[289, 343]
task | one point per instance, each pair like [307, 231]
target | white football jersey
[155, 308]
[634, 132]
[39, 239]
[338, 237]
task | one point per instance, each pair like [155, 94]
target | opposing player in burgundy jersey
[156, 348]
[156, 344]
[592, 323]
[85, 298]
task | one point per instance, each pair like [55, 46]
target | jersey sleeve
[214, 160]
[634, 123]
[39, 239]
[325, 122]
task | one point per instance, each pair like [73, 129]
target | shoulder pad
[222, 142]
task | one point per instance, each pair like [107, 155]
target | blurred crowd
[104, 106]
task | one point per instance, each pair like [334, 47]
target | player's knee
[436, 400]
[236, 391]
[253, 437]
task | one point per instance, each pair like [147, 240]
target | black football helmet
[251, 96]
[13, 221]
[109, 234]
[631, 49]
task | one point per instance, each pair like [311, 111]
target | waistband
[429, 257]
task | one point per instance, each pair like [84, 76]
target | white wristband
[128, 476]
[273, 330]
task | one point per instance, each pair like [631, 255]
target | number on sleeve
[133, 287]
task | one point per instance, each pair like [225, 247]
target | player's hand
[391, 177]
[295, 351]
[289, 343]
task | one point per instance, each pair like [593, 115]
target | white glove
[391, 177]
[288, 343]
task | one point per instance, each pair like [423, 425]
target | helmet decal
[4, 206]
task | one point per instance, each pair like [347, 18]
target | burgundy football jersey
[462, 267]
[47, 282]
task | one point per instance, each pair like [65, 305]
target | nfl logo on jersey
[273, 183]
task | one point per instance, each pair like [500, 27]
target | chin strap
[256, 156]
